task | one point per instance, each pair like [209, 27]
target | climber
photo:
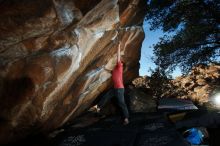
[118, 90]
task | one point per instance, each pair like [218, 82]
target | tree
[197, 32]
[159, 82]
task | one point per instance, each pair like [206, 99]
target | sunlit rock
[201, 83]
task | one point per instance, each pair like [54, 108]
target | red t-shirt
[117, 75]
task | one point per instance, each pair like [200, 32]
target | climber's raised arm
[118, 52]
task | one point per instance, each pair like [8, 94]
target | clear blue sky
[151, 37]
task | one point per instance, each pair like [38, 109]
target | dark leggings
[119, 94]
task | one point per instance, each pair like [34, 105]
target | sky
[151, 37]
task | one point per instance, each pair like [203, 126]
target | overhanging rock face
[54, 56]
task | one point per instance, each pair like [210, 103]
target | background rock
[200, 85]
[141, 82]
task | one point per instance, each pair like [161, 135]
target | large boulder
[55, 56]
[141, 101]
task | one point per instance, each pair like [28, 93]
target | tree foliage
[196, 28]
[159, 82]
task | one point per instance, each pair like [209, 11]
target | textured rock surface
[201, 83]
[140, 101]
[141, 82]
[54, 55]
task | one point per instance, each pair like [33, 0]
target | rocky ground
[143, 130]
[147, 127]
